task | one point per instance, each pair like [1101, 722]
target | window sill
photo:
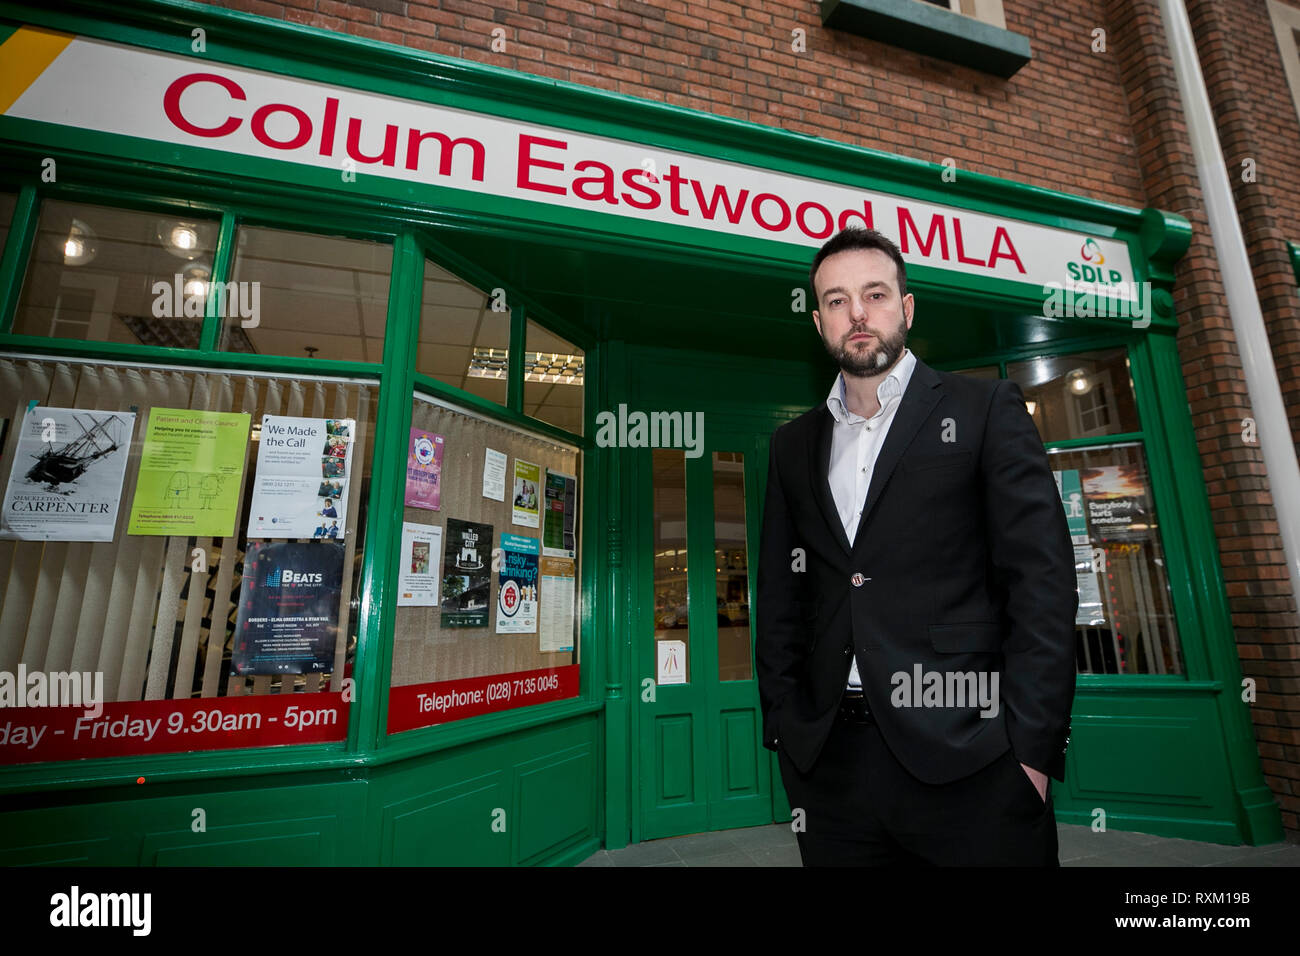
[931, 30]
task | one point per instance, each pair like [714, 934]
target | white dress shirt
[855, 446]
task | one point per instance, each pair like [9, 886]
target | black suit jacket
[966, 565]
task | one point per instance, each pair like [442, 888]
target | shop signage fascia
[237, 41]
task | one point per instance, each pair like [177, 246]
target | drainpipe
[1271, 425]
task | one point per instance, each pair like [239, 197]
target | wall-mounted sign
[241, 113]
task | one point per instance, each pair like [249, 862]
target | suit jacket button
[857, 580]
[848, 650]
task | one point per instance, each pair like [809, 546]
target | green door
[702, 765]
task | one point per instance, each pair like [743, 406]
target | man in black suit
[916, 598]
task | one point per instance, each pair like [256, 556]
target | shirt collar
[895, 384]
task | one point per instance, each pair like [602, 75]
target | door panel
[703, 766]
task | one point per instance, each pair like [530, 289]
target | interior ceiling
[740, 308]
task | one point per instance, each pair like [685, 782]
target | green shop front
[386, 435]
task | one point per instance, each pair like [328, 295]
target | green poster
[190, 472]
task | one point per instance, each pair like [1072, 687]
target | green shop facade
[593, 310]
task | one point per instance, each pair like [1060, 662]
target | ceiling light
[80, 246]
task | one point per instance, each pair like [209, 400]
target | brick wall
[1106, 125]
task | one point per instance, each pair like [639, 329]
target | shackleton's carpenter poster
[66, 481]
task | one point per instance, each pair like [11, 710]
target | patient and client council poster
[191, 469]
[303, 468]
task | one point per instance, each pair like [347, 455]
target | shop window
[1083, 395]
[117, 275]
[160, 540]
[322, 297]
[970, 32]
[989, 11]
[1125, 621]
[464, 335]
[554, 370]
[7, 203]
[487, 584]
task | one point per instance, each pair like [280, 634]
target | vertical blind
[133, 608]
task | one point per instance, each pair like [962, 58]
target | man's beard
[885, 353]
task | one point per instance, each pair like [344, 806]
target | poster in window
[417, 581]
[303, 468]
[559, 536]
[288, 620]
[517, 587]
[424, 470]
[558, 580]
[1090, 612]
[191, 470]
[1117, 503]
[494, 474]
[66, 481]
[524, 510]
[466, 573]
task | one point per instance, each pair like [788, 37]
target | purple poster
[424, 470]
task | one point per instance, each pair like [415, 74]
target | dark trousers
[861, 807]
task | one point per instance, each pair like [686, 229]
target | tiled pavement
[775, 845]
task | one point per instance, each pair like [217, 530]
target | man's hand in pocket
[1039, 779]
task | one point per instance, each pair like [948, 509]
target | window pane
[1125, 622]
[7, 203]
[93, 272]
[315, 296]
[553, 379]
[1078, 396]
[462, 616]
[159, 615]
[463, 341]
[731, 564]
[671, 631]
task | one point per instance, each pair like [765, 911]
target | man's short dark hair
[856, 237]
